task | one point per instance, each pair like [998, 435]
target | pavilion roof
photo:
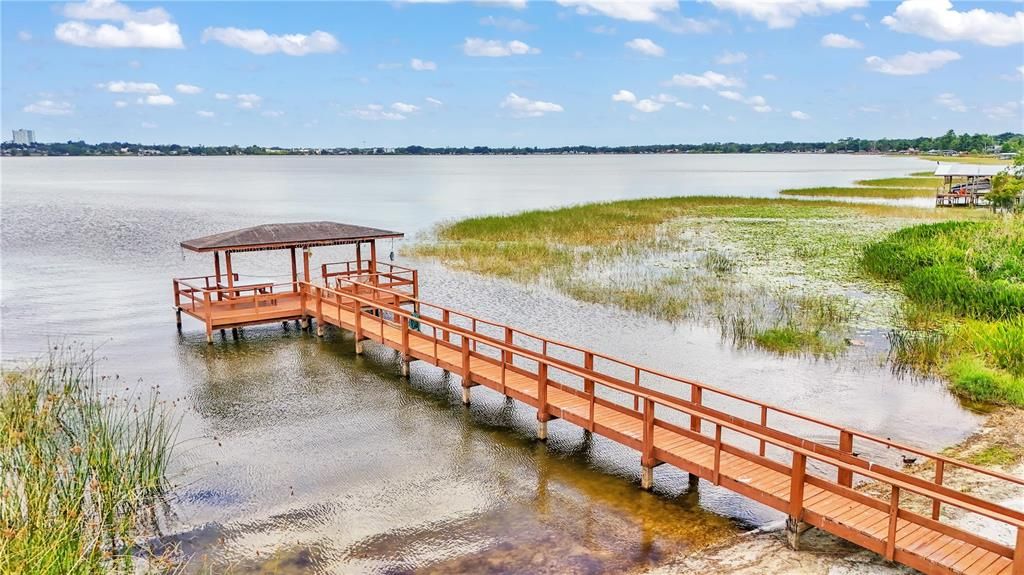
[968, 170]
[284, 236]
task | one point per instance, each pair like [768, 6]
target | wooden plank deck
[517, 364]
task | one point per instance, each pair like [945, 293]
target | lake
[296, 454]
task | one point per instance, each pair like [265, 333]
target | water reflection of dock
[696, 428]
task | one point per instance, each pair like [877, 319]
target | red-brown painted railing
[846, 464]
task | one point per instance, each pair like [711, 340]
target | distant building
[24, 137]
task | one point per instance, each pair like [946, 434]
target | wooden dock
[730, 440]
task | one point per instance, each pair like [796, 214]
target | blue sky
[509, 73]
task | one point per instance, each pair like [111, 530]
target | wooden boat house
[227, 299]
[964, 185]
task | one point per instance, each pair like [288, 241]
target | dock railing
[386, 276]
[511, 349]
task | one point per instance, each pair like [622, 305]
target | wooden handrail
[725, 393]
[806, 448]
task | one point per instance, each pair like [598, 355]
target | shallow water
[298, 455]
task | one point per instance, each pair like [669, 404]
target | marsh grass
[749, 265]
[965, 284]
[987, 160]
[929, 182]
[862, 192]
[83, 472]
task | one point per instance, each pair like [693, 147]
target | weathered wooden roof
[283, 236]
[968, 170]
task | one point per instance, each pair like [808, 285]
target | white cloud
[157, 100]
[708, 79]
[839, 41]
[496, 48]
[24, 35]
[134, 64]
[222, 96]
[951, 102]
[374, 112]
[205, 114]
[422, 65]
[730, 95]
[120, 104]
[726, 58]
[1007, 111]
[647, 106]
[684, 105]
[936, 19]
[645, 46]
[911, 63]
[151, 28]
[624, 96]
[260, 42]
[632, 10]
[271, 113]
[705, 107]
[665, 98]
[50, 108]
[1021, 70]
[187, 89]
[769, 77]
[510, 24]
[434, 101]
[784, 13]
[249, 101]
[602, 29]
[403, 108]
[758, 103]
[798, 115]
[526, 108]
[122, 87]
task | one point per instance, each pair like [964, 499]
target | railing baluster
[695, 397]
[894, 512]
[796, 486]
[542, 387]
[940, 469]
[446, 318]
[718, 453]
[1018, 554]
[647, 454]
[466, 375]
[764, 423]
[507, 355]
[844, 476]
[636, 382]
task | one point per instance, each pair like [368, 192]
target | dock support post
[693, 481]
[795, 528]
[542, 428]
[177, 317]
[359, 346]
[405, 366]
[646, 477]
[465, 395]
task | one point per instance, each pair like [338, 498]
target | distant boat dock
[739, 443]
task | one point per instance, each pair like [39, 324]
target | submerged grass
[861, 192]
[908, 182]
[81, 471]
[965, 284]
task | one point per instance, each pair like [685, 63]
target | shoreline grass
[965, 319]
[82, 471]
[986, 160]
[860, 192]
[906, 182]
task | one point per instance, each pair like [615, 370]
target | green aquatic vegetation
[790, 339]
[906, 182]
[969, 377]
[965, 285]
[924, 174]
[995, 455]
[82, 472]
[862, 192]
[988, 160]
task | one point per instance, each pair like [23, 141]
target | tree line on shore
[948, 142]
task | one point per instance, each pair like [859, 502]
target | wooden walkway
[732, 441]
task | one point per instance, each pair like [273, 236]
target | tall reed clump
[82, 472]
[965, 283]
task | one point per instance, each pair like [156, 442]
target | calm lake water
[298, 455]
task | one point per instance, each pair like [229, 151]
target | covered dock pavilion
[225, 300]
[964, 185]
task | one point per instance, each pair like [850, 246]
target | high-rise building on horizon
[24, 137]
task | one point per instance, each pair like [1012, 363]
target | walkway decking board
[830, 504]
